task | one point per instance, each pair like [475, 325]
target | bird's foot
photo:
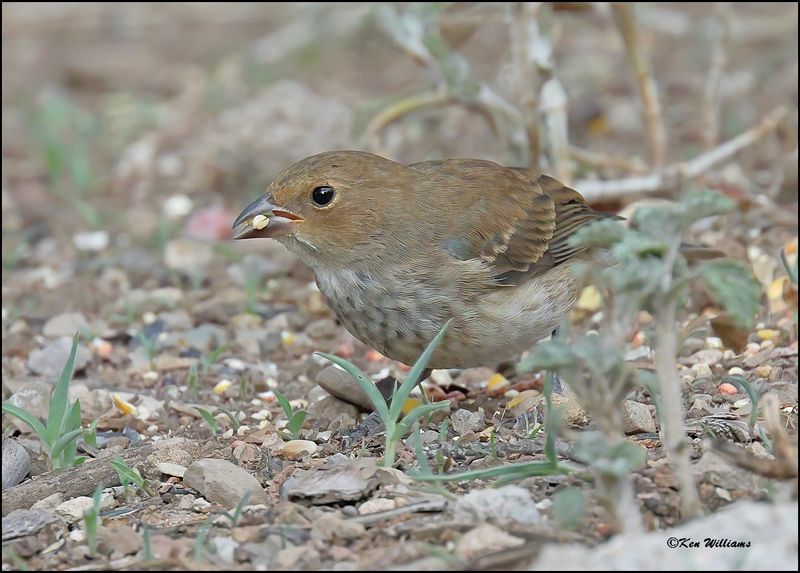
[371, 426]
[558, 385]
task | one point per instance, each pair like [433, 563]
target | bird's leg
[373, 424]
[535, 414]
[507, 369]
[558, 386]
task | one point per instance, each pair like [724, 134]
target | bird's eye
[323, 195]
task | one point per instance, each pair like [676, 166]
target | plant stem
[673, 433]
[388, 451]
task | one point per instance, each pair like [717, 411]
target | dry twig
[672, 176]
[711, 104]
[626, 22]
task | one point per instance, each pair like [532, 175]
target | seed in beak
[260, 222]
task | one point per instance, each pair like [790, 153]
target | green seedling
[191, 382]
[91, 520]
[211, 358]
[233, 417]
[295, 419]
[63, 427]
[149, 346]
[390, 414]
[209, 419]
[129, 476]
[236, 514]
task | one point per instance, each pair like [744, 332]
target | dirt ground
[134, 133]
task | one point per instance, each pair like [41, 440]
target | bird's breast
[396, 315]
[399, 313]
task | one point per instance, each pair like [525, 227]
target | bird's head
[331, 208]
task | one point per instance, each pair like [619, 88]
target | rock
[16, 463]
[708, 356]
[511, 503]
[574, 413]
[785, 391]
[91, 240]
[95, 403]
[50, 503]
[340, 384]
[770, 532]
[465, 421]
[637, 418]
[177, 452]
[188, 256]
[50, 360]
[33, 398]
[117, 541]
[171, 469]
[712, 469]
[223, 482]
[376, 505]
[331, 527]
[224, 549]
[702, 370]
[65, 324]
[22, 522]
[347, 480]
[72, 510]
[330, 408]
[176, 320]
[205, 338]
[485, 539]
[290, 557]
[296, 449]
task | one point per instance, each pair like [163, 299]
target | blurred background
[133, 133]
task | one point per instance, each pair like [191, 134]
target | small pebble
[222, 386]
[702, 370]
[727, 388]
[736, 371]
[764, 370]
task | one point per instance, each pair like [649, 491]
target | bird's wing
[517, 222]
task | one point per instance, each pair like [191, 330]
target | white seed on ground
[260, 222]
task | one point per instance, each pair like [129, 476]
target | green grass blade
[296, 423]
[209, 419]
[72, 422]
[29, 419]
[60, 397]
[751, 393]
[415, 414]
[413, 375]
[126, 474]
[285, 405]
[366, 384]
[57, 455]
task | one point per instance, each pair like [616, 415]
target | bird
[398, 250]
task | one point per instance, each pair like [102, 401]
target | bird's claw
[371, 426]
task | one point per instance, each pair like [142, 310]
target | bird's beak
[262, 219]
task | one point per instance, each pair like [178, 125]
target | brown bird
[399, 249]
